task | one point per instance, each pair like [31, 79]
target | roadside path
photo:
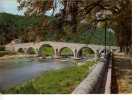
[121, 74]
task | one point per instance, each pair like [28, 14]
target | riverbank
[61, 81]
[15, 56]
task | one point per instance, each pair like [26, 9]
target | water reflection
[16, 71]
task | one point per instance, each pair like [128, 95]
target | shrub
[21, 50]
[2, 48]
[46, 51]
[31, 51]
[3, 53]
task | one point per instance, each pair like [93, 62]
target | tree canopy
[30, 29]
[117, 14]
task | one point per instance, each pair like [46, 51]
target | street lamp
[104, 17]
[107, 18]
[105, 36]
[109, 31]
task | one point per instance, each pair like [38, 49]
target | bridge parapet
[75, 47]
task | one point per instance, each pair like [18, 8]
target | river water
[18, 70]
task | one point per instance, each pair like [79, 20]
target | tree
[34, 7]
[118, 14]
[7, 30]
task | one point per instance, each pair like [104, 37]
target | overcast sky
[9, 6]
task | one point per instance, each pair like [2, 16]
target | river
[18, 70]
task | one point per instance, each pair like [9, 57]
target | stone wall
[97, 80]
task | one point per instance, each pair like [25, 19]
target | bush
[66, 52]
[21, 50]
[31, 51]
[2, 48]
[3, 53]
[46, 51]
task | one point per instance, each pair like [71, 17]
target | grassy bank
[61, 81]
[5, 53]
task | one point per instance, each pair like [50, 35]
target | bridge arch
[46, 50]
[85, 52]
[66, 52]
[31, 50]
[21, 50]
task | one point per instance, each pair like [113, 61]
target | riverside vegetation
[61, 81]
[27, 28]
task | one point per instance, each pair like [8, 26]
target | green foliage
[31, 51]
[86, 52]
[66, 52]
[21, 50]
[3, 53]
[96, 37]
[54, 82]
[2, 48]
[27, 28]
[21, 27]
[46, 51]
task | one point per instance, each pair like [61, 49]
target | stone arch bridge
[57, 47]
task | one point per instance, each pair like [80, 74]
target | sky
[10, 6]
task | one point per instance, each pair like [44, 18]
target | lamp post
[104, 17]
[109, 30]
[105, 36]
[106, 29]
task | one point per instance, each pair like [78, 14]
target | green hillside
[34, 28]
